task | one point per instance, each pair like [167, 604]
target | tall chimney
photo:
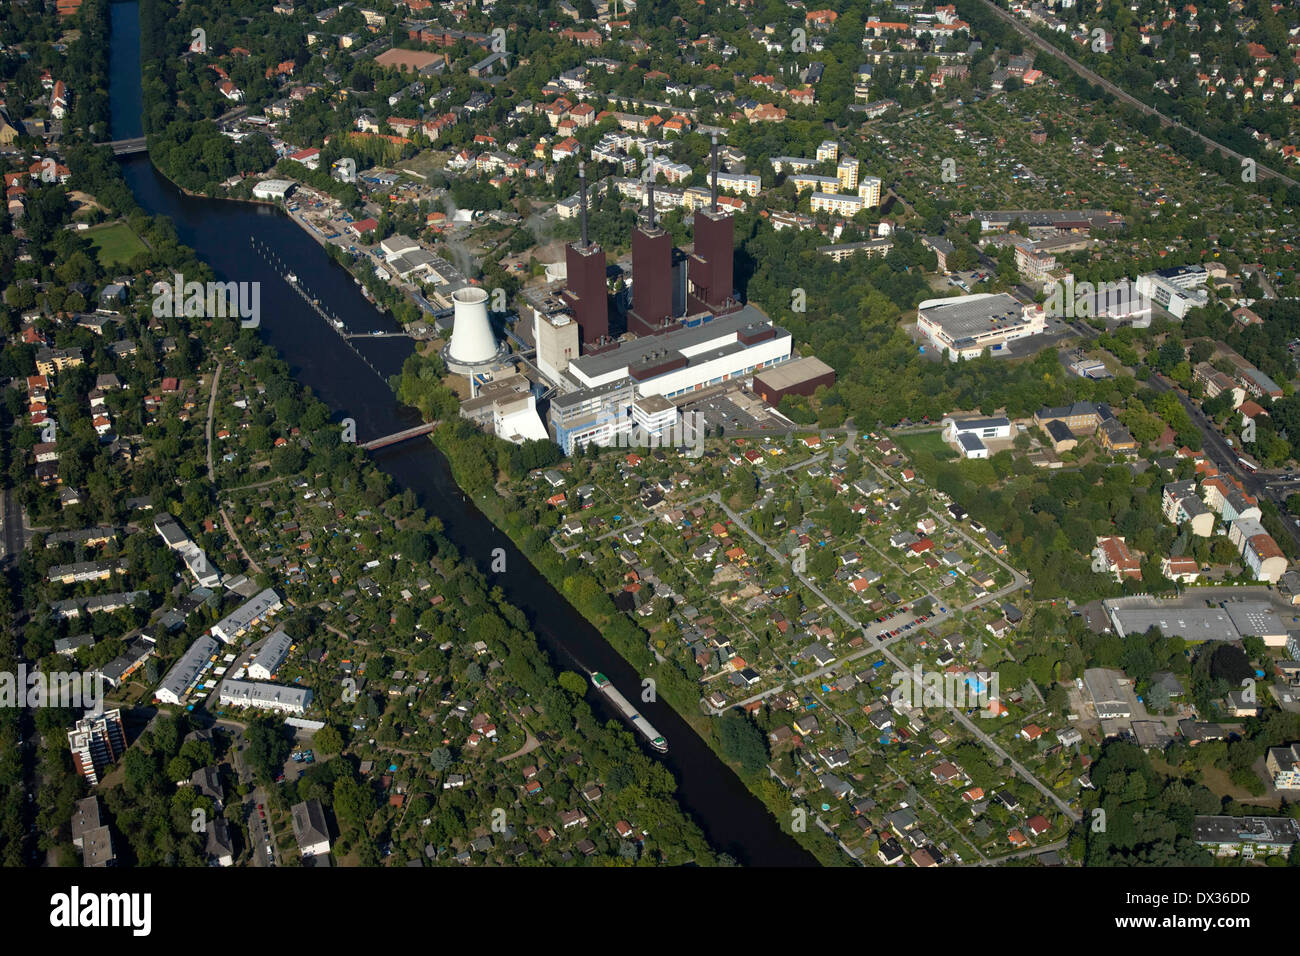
[650, 184]
[582, 201]
[713, 178]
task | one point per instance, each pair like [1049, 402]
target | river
[222, 232]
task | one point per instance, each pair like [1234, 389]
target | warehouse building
[273, 189]
[1232, 622]
[801, 376]
[1108, 696]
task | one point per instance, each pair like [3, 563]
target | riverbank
[683, 701]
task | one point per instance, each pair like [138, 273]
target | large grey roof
[640, 350]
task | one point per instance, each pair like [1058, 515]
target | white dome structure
[473, 347]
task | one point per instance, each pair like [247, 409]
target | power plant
[473, 348]
[585, 265]
[686, 332]
[686, 329]
[711, 268]
[652, 273]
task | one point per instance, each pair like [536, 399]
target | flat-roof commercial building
[1137, 615]
[1258, 619]
[798, 376]
[185, 673]
[287, 700]
[964, 326]
[257, 608]
[1059, 220]
[1249, 836]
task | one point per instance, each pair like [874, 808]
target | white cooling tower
[472, 340]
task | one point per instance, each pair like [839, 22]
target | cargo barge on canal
[643, 727]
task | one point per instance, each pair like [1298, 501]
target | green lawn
[115, 243]
[931, 442]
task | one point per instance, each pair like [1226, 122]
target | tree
[573, 682]
[742, 741]
[328, 740]
[440, 759]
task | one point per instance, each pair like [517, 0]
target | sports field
[115, 243]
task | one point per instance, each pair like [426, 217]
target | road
[212, 405]
[1081, 70]
[260, 834]
[14, 534]
[1223, 455]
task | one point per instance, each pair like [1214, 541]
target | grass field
[115, 243]
[931, 442]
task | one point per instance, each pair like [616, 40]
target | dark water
[235, 239]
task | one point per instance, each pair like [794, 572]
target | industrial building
[1048, 220]
[800, 376]
[964, 326]
[273, 189]
[685, 331]
[592, 415]
[473, 348]
[505, 403]
[711, 271]
[652, 271]
[705, 350]
[585, 294]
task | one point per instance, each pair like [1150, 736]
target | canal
[230, 237]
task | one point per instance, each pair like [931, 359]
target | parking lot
[736, 411]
